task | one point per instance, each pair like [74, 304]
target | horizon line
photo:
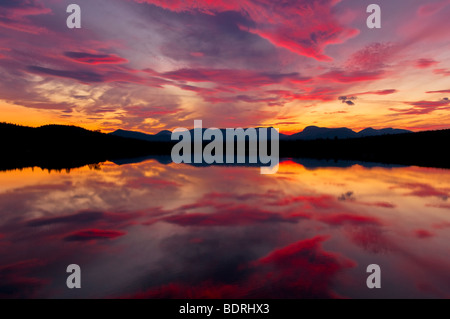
[289, 134]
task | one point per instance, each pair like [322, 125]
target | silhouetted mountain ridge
[314, 133]
[309, 133]
[60, 146]
[63, 146]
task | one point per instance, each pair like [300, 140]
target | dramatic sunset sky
[150, 65]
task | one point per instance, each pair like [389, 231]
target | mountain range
[309, 133]
[59, 146]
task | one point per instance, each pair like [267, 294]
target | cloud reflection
[155, 230]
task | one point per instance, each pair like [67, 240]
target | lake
[163, 230]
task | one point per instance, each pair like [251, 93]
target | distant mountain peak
[311, 127]
[311, 132]
[368, 129]
[164, 132]
[163, 136]
[314, 132]
[385, 131]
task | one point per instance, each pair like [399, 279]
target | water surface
[159, 230]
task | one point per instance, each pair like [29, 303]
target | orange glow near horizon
[19, 115]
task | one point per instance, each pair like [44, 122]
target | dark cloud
[346, 196]
[236, 79]
[81, 218]
[94, 234]
[423, 190]
[231, 216]
[89, 58]
[347, 99]
[303, 27]
[16, 280]
[82, 76]
[20, 4]
[217, 40]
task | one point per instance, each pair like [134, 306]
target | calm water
[157, 230]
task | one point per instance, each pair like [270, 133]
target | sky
[151, 65]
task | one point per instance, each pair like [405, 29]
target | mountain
[309, 133]
[163, 136]
[427, 148]
[62, 146]
[386, 131]
[315, 133]
[58, 146]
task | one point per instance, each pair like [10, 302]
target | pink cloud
[432, 8]
[341, 219]
[302, 269]
[303, 27]
[423, 233]
[197, 54]
[440, 91]
[342, 76]
[423, 107]
[443, 206]
[425, 63]
[444, 72]
[323, 201]
[18, 8]
[372, 57]
[442, 225]
[370, 238]
[380, 92]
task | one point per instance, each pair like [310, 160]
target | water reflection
[161, 230]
